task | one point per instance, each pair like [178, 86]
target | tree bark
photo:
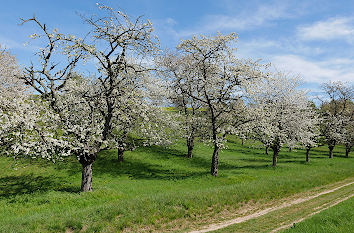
[121, 151]
[86, 160]
[86, 180]
[347, 151]
[121, 146]
[331, 151]
[190, 152]
[275, 157]
[267, 150]
[308, 154]
[215, 161]
[276, 149]
[190, 145]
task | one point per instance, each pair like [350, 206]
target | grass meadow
[155, 188]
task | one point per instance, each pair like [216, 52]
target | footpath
[288, 212]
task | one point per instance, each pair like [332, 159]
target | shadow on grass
[137, 169]
[26, 184]
[340, 155]
[107, 164]
[246, 150]
[162, 152]
[256, 167]
[156, 165]
[258, 160]
[293, 161]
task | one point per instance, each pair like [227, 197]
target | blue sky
[312, 38]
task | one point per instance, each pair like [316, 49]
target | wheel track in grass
[289, 204]
[316, 212]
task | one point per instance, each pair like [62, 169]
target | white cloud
[12, 44]
[165, 29]
[171, 21]
[246, 20]
[330, 29]
[256, 48]
[316, 72]
[264, 48]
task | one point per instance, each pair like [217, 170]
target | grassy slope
[154, 187]
[339, 218]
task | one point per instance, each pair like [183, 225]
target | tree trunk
[242, 141]
[121, 151]
[308, 154]
[275, 156]
[347, 151]
[267, 150]
[215, 161]
[121, 146]
[190, 152]
[190, 146]
[86, 180]
[290, 149]
[331, 151]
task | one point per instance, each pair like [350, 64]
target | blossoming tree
[285, 115]
[337, 113]
[175, 68]
[217, 81]
[12, 92]
[87, 108]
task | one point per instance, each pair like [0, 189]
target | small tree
[310, 135]
[256, 131]
[283, 112]
[348, 134]
[261, 136]
[335, 111]
[176, 68]
[140, 123]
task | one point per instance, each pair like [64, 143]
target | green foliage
[154, 187]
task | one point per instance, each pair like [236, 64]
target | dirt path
[222, 225]
[313, 213]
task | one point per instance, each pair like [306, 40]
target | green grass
[155, 188]
[339, 218]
